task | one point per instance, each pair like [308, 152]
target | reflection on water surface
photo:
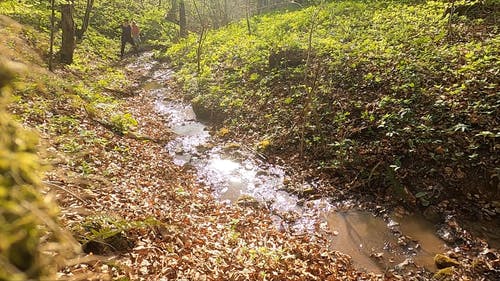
[373, 243]
[377, 245]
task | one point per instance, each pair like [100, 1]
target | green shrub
[25, 216]
[377, 84]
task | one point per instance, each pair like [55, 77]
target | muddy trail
[378, 239]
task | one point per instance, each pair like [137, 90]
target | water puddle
[423, 232]
[378, 245]
[235, 172]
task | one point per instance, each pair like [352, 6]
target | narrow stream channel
[238, 175]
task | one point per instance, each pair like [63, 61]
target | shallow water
[376, 245]
[237, 171]
[424, 232]
[359, 234]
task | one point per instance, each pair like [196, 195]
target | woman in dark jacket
[126, 36]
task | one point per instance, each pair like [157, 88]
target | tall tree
[226, 12]
[201, 36]
[68, 33]
[52, 30]
[260, 5]
[182, 19]
[173, 13]
[177, 15]
[86, 18]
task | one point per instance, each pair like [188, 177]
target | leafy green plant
[383, 73]
[25, 215]
[124, 122]
[103, 234]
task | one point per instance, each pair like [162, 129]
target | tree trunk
[200, 38]
[200, 49]
[173, 12]
[450, 19]
[182, 19]
[68, 33]
[260, 6]
[247, 16]
[226, 13]
[86, 18]
[52, 27]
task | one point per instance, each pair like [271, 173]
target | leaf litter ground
[185, 234]
[140, 217]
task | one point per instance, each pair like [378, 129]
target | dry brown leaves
[196, 238]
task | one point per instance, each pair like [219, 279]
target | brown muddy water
[377, 245]
[235, 172]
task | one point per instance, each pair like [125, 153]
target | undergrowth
[383, 86]
[34, 245]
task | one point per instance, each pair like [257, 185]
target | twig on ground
[56, 185]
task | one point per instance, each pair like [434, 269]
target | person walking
[136, 32]
[126, 37]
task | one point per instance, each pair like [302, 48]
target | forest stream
[239, 175]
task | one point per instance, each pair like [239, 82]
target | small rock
[402, 265]
[204, 147]
[446, 235]
[262, 173]
[392, 223]
[301, 202]
[444, 274]
[324, 226]
[315, 196]
[377, 255]
[247, 201]
[432, 214]
[231, 146]
[443, 261]
[287, 181]
[308, 191]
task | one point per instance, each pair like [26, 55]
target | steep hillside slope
[27, 218]
[394, 98]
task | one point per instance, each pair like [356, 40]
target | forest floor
[403, 139]
[138, 215]
[150, 219]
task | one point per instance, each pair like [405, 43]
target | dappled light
[249, 140]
